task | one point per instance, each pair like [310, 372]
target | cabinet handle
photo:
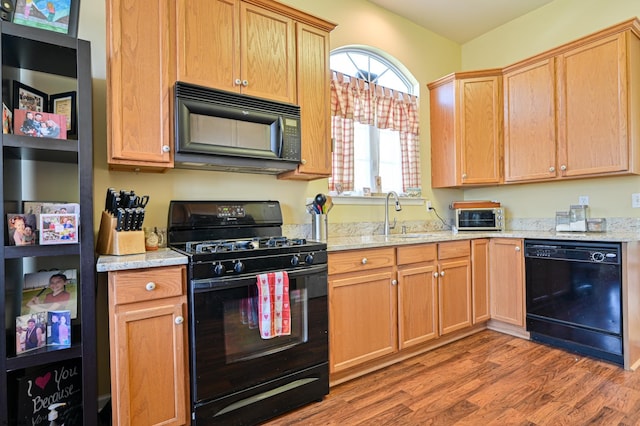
[464, 176]
[552, 169]
[394, 282]
[436, 274]
[150, 286]
[238, 82]
[245, 83]
[364, 260]
[179, 320]
[303, 161]
[563, 167]
[165, 148]
[442, 274]
[517, 248]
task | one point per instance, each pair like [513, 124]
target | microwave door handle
[280, 136]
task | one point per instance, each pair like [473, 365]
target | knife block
[115, 242]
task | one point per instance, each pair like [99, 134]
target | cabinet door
[141, 75]
[417, 304]
[454, 294]
[148, 362]
[507, 280]
[530, 122]
[362, 318]
[444, 167]
[313, 97]
[267, 54]
[479, 120]
[593, 115]
[480, 279]
[208, 43]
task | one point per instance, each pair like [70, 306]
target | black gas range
[237, 376]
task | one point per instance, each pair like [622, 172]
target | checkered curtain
[353, 99]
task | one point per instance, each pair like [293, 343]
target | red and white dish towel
[273, 307]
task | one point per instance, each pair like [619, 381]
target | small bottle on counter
[151, 240]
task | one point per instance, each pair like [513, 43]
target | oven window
[476, 219]
[209, 130]
[242, 339]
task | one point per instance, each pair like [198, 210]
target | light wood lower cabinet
[362, 307]
[480, 280]
[148, 340]
[386, 303]
[507, 280]
[417, 294]
[454, 286]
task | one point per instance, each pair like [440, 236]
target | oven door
[227, 352]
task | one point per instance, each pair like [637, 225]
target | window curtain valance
[354, 99]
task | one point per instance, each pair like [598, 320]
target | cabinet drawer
[361, 260]
[454, 249]
[416, 254]
[145, 284]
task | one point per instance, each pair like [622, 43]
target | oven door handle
[224, 283]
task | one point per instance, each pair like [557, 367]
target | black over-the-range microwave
[219, 130]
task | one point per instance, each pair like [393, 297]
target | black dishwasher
[574, 296]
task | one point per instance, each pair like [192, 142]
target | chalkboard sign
[55, 387]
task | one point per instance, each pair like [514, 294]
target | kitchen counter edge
[372, 241]
[150, 259]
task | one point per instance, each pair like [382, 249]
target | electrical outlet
[428, 204]
[635, 200]
[583, 200]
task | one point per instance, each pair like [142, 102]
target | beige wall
[426, 55]
[558, 22]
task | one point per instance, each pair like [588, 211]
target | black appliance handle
[225, 283]
[280, 136]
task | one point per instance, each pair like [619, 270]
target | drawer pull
[394, 282]
[364, 260]
[436, 275]
[179, 320]
[442, 274]
[150, 286]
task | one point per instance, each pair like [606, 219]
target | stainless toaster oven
[479, 219]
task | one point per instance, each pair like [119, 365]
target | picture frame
[32, 337]
[39, 124]
[58, 228]
[38, 292]
[65, 104]
[22, 229]
[26, 97]
[59, 16]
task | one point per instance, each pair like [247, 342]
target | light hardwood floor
[486, 379]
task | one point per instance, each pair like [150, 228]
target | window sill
[372, 200]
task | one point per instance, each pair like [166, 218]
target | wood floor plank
[487, 379]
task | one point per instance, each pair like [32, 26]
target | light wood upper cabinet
[571, 112]
[507, 280]
[530, 121]
[314, 100]
[140, 78]
[236, 46]
[593, 115]
[208, 43]
[466, 129]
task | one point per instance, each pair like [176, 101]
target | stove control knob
[219, 269]
[238, 266]
[309, 259]
[295, 260]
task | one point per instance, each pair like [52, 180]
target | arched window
[374, 123]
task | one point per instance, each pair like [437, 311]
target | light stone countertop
[372, 241]
[150, 259]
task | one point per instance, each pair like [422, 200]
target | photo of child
[39, 124]
[21, 229]
[50, 291]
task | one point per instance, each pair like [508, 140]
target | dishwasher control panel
[573, 251]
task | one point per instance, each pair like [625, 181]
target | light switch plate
[583, 200]
[635, 200]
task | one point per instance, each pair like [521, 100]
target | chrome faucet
[398, 207]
